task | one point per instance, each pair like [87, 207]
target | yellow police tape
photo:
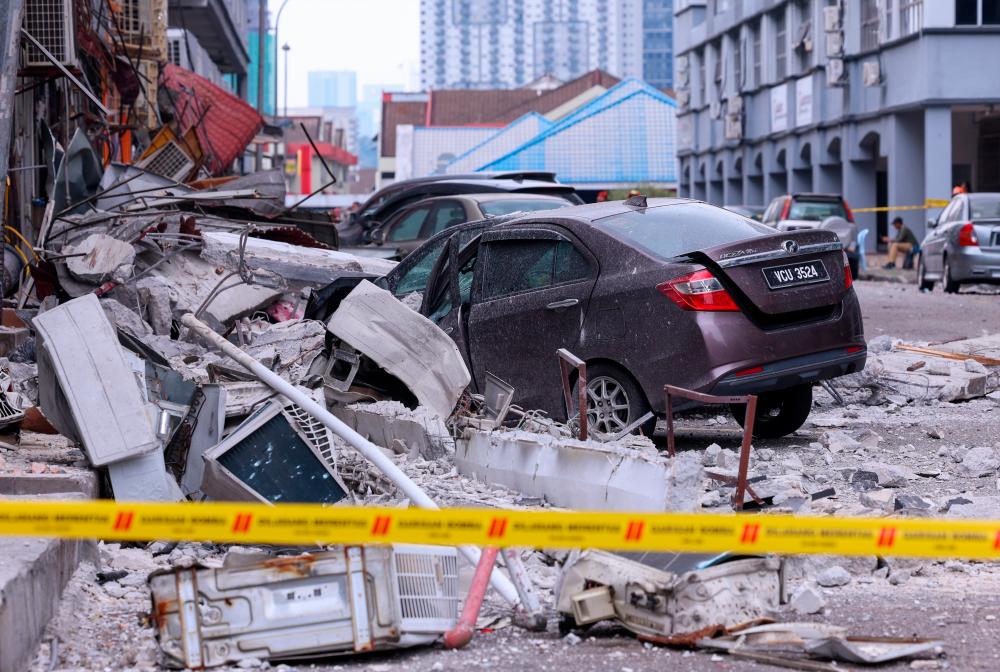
[303, 524]
[928, 204]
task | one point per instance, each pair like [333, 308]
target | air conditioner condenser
[349, 600]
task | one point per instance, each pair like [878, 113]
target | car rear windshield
[673, 230]
[506, 207]
[985, 207]
[816, 210]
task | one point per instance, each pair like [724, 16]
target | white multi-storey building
[495, 44]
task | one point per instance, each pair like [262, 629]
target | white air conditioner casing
[51, 23]
[734, 127]
[734, 105]
[834, 45]
[135, 20]
[683, 78]
[831, 19]
[871, 73]
[683, 98]
[352, 599]
[682, 64]
[834, 72]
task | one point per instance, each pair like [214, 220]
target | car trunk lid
[784, 273]
[988, 232]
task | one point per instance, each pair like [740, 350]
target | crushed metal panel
[143, 478]
[106, 406]
[279, 608]
[652, 602]
[404, 343]
[277, 455]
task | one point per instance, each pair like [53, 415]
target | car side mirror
[931, 223]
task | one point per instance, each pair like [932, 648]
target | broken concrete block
[102, 255]
[890, 475]
[386, 423]
[155, 297]
[879, 499]
[972, 366]
[899, 576]
[981, 461]
[914, 504]
[839, 441]
[124, 318]
[711, 455]
[833, 577]
[807, 600]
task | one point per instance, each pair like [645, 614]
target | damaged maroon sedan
[668, 291]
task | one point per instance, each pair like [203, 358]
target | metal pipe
[261, 51]
[530, 615]
[369, 450]
[462, 633]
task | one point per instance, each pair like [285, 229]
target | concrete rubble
[122, 398]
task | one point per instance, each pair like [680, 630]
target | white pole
[369, 450]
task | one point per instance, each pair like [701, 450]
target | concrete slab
[392, 425]
[79, 482]
[583, 475]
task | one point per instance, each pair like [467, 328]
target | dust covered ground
[940, 459]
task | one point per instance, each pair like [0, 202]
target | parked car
[962, 244]
[410, 227]
[676, 292]
[754, 212]
[798, 212]
[390, 199]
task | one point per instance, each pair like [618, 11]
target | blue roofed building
[500, 143]
[625, 137]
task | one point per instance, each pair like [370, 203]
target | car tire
[778, 413]
[951, 285]
[923, 283]
[614, 401]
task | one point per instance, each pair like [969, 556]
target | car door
[530, 296]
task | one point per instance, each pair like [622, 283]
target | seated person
[904, 242]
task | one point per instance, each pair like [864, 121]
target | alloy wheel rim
[607, 406]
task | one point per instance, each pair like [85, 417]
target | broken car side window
[415, 279]
[514, 266]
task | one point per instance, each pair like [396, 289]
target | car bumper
[973, 264]
[792, 372]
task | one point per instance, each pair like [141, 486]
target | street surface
[954, 601]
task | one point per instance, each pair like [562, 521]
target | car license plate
[792, 275]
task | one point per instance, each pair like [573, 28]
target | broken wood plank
[985, 361]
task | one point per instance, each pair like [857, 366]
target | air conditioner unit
[353, 599]
[715, 109]
[834, 45]
[682, 64]
[683, 78]
[135, 21]
[734, 105]
[734, 127]
[834, 72]
[871, 73]
[170, 160]
[51, 23]
[832, 22]
[683, 98]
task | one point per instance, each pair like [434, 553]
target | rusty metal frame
[567, 363]
[670, 391]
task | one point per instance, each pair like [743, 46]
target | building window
[977, 12]
[804, 35]
[780, 46]
[701, 77]
[738, 63]
[911, 17]
[758, 54]
[718, 70]
[887, 20]
[869, 25]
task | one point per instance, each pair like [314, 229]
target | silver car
[962, 244]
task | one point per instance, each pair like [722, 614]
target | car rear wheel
[614, 401]
[950, 284]
[778, 413]
[923, 283]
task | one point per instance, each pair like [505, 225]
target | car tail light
[698, 291]
[848, 277]
[749, 372]
[786, 209]
[967, 236]
[847, 209]
[854, 349]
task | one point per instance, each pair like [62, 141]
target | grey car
[963, 244]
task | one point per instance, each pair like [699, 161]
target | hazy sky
[379, 39]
